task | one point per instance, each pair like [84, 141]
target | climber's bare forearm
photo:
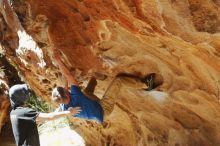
[42, 117]
[65, 71]
[67, 74]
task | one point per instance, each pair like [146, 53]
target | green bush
[37, 104]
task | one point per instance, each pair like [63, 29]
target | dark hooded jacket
[23, 119]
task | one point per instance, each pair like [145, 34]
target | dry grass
[59, 133]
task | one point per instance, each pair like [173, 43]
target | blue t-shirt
[90, 109]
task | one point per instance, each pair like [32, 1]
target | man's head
[18, 94]
[60, 95]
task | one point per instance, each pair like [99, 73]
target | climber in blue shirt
[90, 109]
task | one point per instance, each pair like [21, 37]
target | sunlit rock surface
[176, 40]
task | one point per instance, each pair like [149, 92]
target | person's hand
[75, 110]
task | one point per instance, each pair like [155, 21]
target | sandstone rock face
[8, 77]
[4, 102]
[176, 41]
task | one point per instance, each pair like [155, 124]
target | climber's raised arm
[91, 109]
[64, 70]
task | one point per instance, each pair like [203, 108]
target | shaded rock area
[6, 136]
[165, 54]
[8, 77]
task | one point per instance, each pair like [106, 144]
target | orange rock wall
[176, 40]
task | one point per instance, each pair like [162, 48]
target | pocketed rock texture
[4, 102]
[8, 77]
[175, 41]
